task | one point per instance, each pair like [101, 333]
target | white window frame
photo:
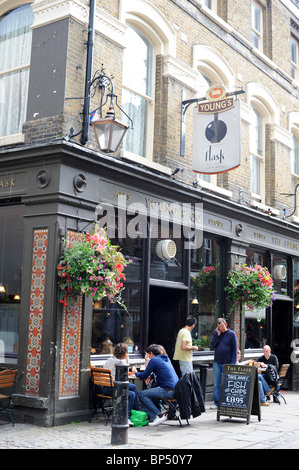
[12, 139]
[149, 131]
[294, 58]
[257, 155]
[257, 33]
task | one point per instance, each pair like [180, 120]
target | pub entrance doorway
[167, 312]
[282, 321]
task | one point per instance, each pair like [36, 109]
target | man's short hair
[220, 320]
[190, 321]
[155, 349]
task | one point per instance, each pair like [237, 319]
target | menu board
[239, 394]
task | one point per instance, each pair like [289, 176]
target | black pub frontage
[48, 195]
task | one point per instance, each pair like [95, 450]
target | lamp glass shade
[109, 133]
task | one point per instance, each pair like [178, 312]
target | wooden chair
[7, 384]
[282, 376]
[101, 378]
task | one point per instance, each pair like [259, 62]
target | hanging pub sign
[216, 133]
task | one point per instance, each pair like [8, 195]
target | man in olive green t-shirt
[183, 346]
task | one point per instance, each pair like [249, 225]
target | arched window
[15, 50]
[137, 94]
[264, 114]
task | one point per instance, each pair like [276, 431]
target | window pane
[166, 269]
[111, 323]
[256, 19]
[294, 156]
[11, 258]
[293, 51]
[137, 91]
[138, 60]
[254, 174]
[137, 108]
[255, 320]
[206, 289]
[256, 135]
[15, 50]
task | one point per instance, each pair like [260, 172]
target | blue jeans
[150, 400]
[264, 388]
[217, 371]
[185, 367]
[132, 397]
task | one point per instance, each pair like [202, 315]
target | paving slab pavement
[278, 429]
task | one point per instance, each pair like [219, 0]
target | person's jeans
[150, 400]
[217, 372]
[132, 397]
[185, 367]
[264, 388]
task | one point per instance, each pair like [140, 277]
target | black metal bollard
[119, 431]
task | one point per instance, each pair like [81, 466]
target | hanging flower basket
[251, 286]
[93, 267]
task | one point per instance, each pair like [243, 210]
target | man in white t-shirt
[183, 346]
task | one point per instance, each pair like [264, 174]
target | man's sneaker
[265, 403]
[158, 420]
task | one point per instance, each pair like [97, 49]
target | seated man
[263, 386]
[166, 378]
[269, 358]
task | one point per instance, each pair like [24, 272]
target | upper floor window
[256, 26]
[295, 156]
[256, 153]
[15, 50]
[294, 58]
[137, 93]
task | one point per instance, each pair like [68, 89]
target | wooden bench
[101, 378]
[7, 384]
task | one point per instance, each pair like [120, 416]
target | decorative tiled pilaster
[36, 311]
[71, 341]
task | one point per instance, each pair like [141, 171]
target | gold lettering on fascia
[276, 241]
[260, 236]
[8, 183]
[165, 207]
[215, 223]
[291, 245]
[122, 195]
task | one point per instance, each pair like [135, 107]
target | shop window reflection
[280, 274]
[11, 260]
[170, 266]
[255, 328]
[256, 319]
[111, 323]
[205, 290]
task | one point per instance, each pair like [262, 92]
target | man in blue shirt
[166, 378]
[225, 343]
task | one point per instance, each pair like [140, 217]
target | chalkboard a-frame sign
[239, 394]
